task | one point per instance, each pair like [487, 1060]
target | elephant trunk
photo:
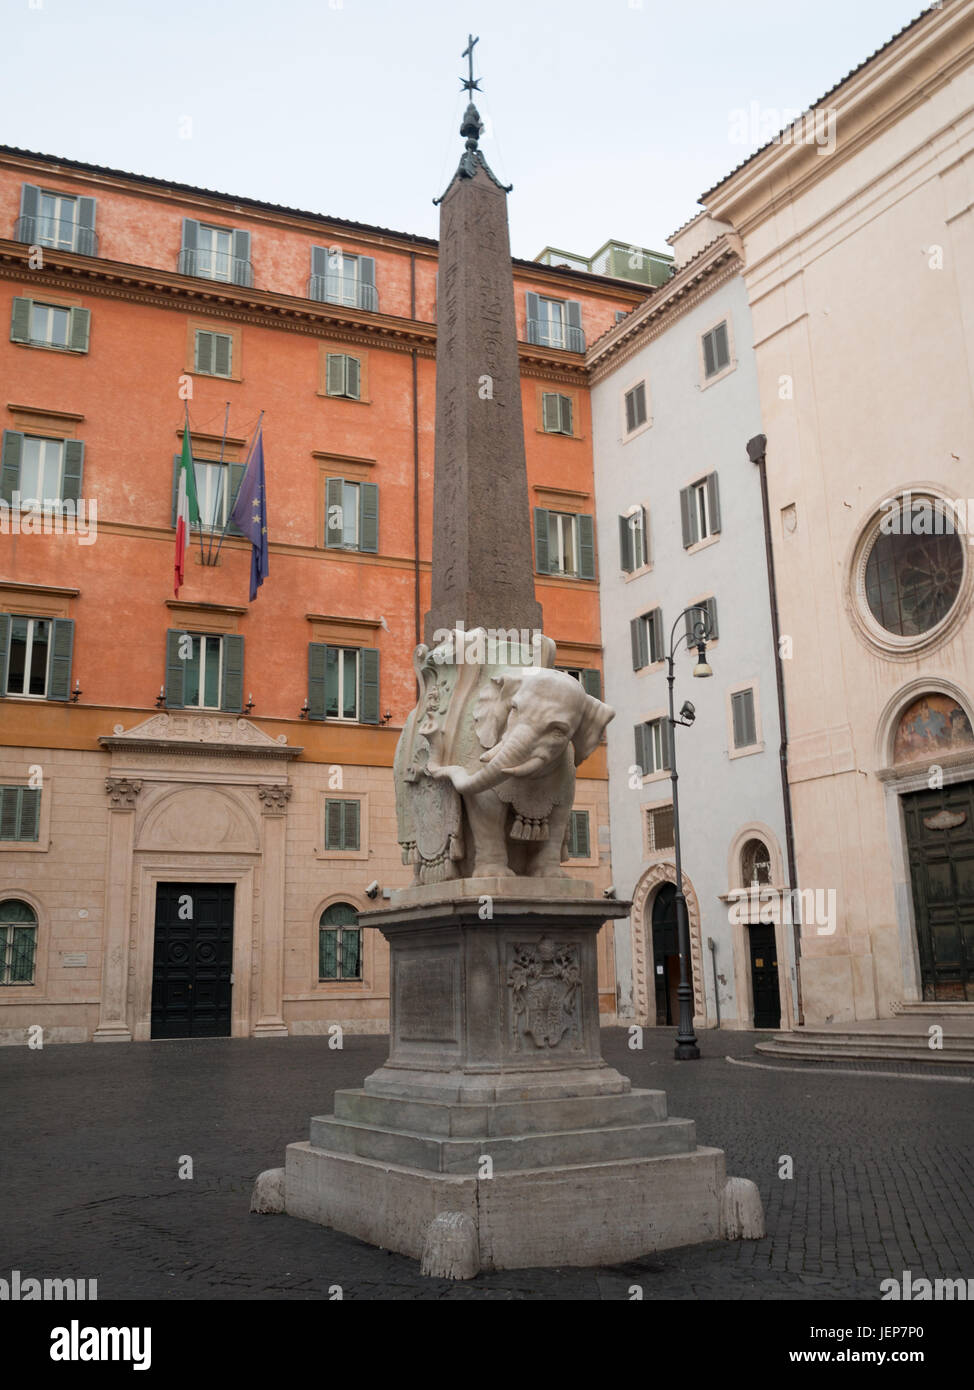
[510, 758]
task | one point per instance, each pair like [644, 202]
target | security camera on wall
[373, 889]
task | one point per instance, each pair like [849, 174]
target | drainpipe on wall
[416, 583]
[757, 453]
[713, 957]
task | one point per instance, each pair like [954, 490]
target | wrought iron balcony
[556, 335]
[216, 265]
[343, 289]
[60, 233]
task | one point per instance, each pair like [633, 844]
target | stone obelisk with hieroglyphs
[483, 574]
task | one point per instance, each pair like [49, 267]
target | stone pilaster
[270, 1005]
[113, 1024]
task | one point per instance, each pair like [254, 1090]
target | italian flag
[187, 510]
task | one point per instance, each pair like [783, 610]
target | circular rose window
[912, 577]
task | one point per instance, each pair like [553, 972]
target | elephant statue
[485, 771]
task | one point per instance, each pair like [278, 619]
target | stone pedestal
[495, 1103]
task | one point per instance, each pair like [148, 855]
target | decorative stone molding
[274, 799]
[187, 732]
[122, 792]
[664, 872]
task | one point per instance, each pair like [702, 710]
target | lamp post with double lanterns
[695, 635]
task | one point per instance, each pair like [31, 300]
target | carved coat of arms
[545, 982]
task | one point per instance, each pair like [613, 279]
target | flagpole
[223, 441]
[250, 451]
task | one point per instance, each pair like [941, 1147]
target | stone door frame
[641, 919]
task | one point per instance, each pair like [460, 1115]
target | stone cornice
[714, 265]
[183, 731]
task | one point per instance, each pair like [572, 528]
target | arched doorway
[666, 955]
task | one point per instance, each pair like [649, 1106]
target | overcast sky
[610, 117]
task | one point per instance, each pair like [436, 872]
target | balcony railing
[216, 265]
[556, 335]
[60, 233]
[343, 289]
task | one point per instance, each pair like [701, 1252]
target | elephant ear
[591, 726]
[492, 707]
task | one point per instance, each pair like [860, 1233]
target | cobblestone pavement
[93, 1136]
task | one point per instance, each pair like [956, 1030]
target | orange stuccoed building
[196, 790]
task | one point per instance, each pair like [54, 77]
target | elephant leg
[545, 862]
[487, 815]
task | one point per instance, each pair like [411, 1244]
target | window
[742, 714]
[49, 325]
[621, 314]
[632, 540]
[35, 656]
[337, 278]
[215, 253]
[755, 863]
[204, 670]
[579, 845]
[555, 323]
[63, 221]
[343, 683]
[700, 510]
[214, 353]
[343, 376]
[695, 618]
[912, 580]
[339, 943]
[659, 828]
[20, 813]
[217, 485]
[588, 677]
[716, 350]
[556, 413]
[564, 544]
[646, 635]
[653, 746]
[351, 516]
[43, 471]
[18, 942]
[636, 407]
[341, 825]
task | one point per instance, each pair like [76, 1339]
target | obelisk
[483, 574]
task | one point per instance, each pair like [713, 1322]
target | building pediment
[189, 732]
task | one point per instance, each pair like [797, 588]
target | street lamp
[696, 636]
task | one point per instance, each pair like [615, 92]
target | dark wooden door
[193, 960]
[940, 844]
[764, 976]
[666, 956]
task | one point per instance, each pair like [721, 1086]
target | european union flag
[250, 514]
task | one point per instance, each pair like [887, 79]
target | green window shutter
[87, 246]
[713, 503]
[4, 650]
[592, 682]
[368, 685]
[533, 306]
[235, 476]
[654, 636]
[333, 824]
[586, 548]
[79, 329]
[711, 606]
[542, 563]
[175, 668]
[635, 643]
[231, 696]
[30, 201]
[30, 814]
[575, 340]
[644, 635]
[9, 812]
[368, 518]
[667, 732]
[350, 825]
[565, 414]
[334, 525]
[692, 617]
[317, 655]
[59, 659]
[626, 559]
[240, 245]
[187, 254]
[319, 260]
[721, 347]
[642, 759]
[74, 463]
[709, 359]
[550, 414]
[222, 354]
[366, 283]
[204, 351]
[579, 840]
[742, 709]
[353, 378]
[20, 320]
[688, 517]
[335, 374]
[10, 456]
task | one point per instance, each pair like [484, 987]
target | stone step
[954, 1042]
[956, 1008]
[499, 1117]
[510, 1153]
[910, 1050]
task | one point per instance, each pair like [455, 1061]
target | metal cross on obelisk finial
[470, 83]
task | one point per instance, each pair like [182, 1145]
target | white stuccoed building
[680, 522]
